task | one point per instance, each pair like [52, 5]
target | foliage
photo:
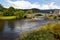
[56, 28]
[37, 35]
[44, 32]
[11, 9]
[1, 8]
[1, 13]
[19, 14]
[9, 12]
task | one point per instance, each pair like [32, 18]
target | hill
[35, 10]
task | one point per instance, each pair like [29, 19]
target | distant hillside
[35, 10]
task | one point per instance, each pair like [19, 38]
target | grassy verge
[50, 31]
[7, 17]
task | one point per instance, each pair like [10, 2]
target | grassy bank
[7, 17]
[49, 31]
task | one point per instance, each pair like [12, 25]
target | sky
[28, 4]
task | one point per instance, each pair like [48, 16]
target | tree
[6, 13]
[1, 8]
[9, 12]
[1, 13]
[11, 9]
[19, 14]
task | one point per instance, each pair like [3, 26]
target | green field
[7, 17]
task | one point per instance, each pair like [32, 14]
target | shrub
[37, 35]
[49, 31]
[41, 33]
[56, 28]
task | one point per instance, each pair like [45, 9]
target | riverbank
[49, 31]
[11, 29]
[7, 17]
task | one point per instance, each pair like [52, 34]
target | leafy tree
[6, 13]
[1, 8]
[1, 13]
[19, 14]
[9, 12]
[11, 9]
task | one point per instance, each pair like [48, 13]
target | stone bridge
[33, 14]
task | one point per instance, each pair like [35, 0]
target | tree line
[11, 11]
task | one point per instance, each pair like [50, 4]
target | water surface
[10, 30]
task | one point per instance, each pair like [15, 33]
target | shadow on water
[1, 28]
[7, 30]
[1, 25]
[11, 24]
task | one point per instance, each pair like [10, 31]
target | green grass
[37, 35]
[7, 17]
[43, 32]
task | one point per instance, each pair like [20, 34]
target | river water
[11, 29]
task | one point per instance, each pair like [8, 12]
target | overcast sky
[28, 4]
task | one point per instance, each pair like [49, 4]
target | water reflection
[22, 25]
[11, 24]
[1, 25]
[10, 30]
[1, 29]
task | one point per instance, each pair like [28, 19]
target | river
[11, 29]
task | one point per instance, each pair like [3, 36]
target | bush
[8, 13]
[45, 32]
[37, 35]
[41, 33]
[56, 28]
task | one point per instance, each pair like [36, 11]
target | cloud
[50, 6]
[22, 4]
